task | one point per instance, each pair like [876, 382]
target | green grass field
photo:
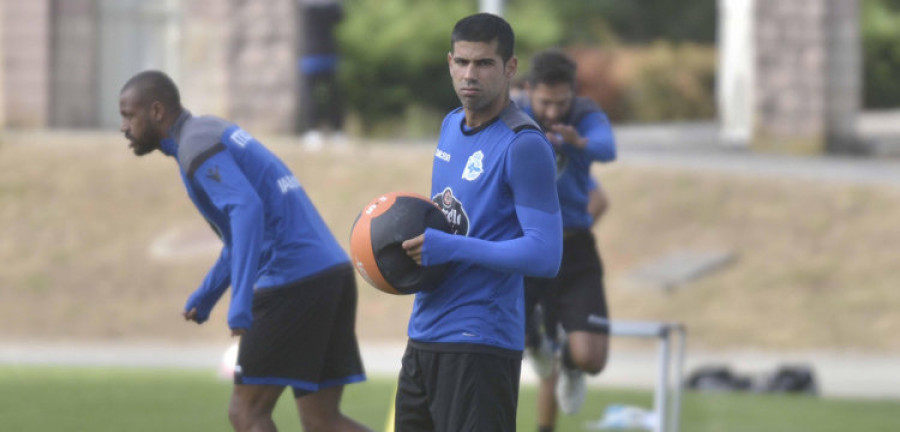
[36, 398]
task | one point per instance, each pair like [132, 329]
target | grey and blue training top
[272, 233]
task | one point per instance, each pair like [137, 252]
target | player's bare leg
[251, 406]
[584, 352]
[320, 412]
[546, 415]
[589, 351]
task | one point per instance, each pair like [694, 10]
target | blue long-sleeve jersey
[495, 184]
[272, 234]
[574, 164]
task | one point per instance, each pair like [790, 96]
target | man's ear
[512, 66]
[157, 111]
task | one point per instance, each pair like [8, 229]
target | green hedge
[395, 52]
[881, 53]
[394, 69]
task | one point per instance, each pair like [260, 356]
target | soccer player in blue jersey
[293, 290]
[493, 176]
[575, 298]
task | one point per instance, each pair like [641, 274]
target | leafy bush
[675, 82]
[394, 53]
[881, 53]
[659, 82]
[638, 22]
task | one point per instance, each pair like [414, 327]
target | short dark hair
[152, 86]
[485, 27]
[551, 67]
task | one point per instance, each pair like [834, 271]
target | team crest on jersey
[213, 174]
[474, 167]
[453, 210]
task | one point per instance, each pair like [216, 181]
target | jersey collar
[169, 145]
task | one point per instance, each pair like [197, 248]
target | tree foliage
[638, 21]
[394, 52]
[881, 53]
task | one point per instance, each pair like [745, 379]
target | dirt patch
[81, 221]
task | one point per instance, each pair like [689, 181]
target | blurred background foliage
[643, 61]
[881, 53]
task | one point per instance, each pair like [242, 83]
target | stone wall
[2, 70]
[807, 74]
[843, 96]
[26, 31]
[236, 59]
[73, 64]
[204, 72]
[261, 64]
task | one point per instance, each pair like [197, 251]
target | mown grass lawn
[36, 398]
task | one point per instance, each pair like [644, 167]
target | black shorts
[460, 388]
[575, 298]
[303, 335]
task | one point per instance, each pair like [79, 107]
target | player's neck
[474, 119]
[170, 120]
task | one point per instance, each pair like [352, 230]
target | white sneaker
[570, 390]
[313, 140]
[542, 359]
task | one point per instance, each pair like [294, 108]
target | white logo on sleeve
[288, 183]
[474, 168]
[241, 137]
[442, 155]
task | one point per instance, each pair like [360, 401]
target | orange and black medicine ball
[377, 236]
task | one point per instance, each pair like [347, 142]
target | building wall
[843, 98]
[26, 33]
[2, 70]
[233, 58]
[133, 36]
[807, 74]
[204, 72]
[73, 64]
[260, 61]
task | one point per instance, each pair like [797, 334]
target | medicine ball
[377, 236]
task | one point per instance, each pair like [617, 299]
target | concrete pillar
[261, 63]
[73, 64]
[204, 75]
[843, 81]
[807, 75]
[736, 84]
[26, 31]
[492, 6]
[2, 68]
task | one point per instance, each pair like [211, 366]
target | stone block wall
[261, 62]
[843, 96]
[2, 79]
[237, 59]
[204, 72]
[26, 65]
[73, 74]
[807, 74]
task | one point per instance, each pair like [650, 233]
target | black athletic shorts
[457, 388]
[575, 298]
[303, 335]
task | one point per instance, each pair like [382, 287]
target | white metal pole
[491, 6]
[675, 414]
[662, 386]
